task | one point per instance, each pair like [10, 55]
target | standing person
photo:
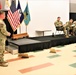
[3, 34]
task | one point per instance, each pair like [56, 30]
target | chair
[59, 29]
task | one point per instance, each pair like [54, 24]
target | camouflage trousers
[2, 49]
[67, 30]
[64, 29]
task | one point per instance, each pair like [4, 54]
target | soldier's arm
[55, 23]
[3, 30]
[66, 24]
[61, 23]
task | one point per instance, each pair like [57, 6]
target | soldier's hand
[60, 24]
[64, 25]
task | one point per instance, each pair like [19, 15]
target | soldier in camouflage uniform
[59, 25]
[68, 27]
[3, 34]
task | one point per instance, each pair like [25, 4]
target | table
[42, 31]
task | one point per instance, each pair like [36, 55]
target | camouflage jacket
[3, 31]
[69, 24]
[58, 23]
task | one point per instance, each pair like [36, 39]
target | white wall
[72, 6]
[44, 13]
[72, 1]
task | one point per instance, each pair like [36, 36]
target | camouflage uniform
[74, 29]
[67, 28]
[3, 34]
[59, 24]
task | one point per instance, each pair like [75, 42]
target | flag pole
[20, 29]
[26, 28]
[27, 16]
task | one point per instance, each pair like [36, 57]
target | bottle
[52, 34]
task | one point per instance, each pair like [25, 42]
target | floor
[63, 62]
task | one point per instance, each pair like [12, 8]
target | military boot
[4, 64]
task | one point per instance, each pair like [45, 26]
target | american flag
[13, 17]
